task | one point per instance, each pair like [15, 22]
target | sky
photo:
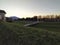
[29, 8]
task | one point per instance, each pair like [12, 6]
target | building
[2, 15]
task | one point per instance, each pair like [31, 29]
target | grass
[16, 34]
[50, 26]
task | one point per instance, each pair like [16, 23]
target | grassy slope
[16, 34]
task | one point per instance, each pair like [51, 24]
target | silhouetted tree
[35, 18]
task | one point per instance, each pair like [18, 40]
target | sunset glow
[29, 8]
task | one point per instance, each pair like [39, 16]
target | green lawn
[50, 26]
[15, 33]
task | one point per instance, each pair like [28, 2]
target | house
[2, 15]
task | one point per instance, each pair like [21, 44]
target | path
[33, 23]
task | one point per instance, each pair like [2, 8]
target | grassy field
[15, 33]
[50, 26]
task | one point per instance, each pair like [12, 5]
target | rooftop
[2, 11]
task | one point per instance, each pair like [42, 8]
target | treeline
[47, 18]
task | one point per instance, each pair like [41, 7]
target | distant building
[2, 15]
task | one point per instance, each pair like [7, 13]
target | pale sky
[29, 8]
